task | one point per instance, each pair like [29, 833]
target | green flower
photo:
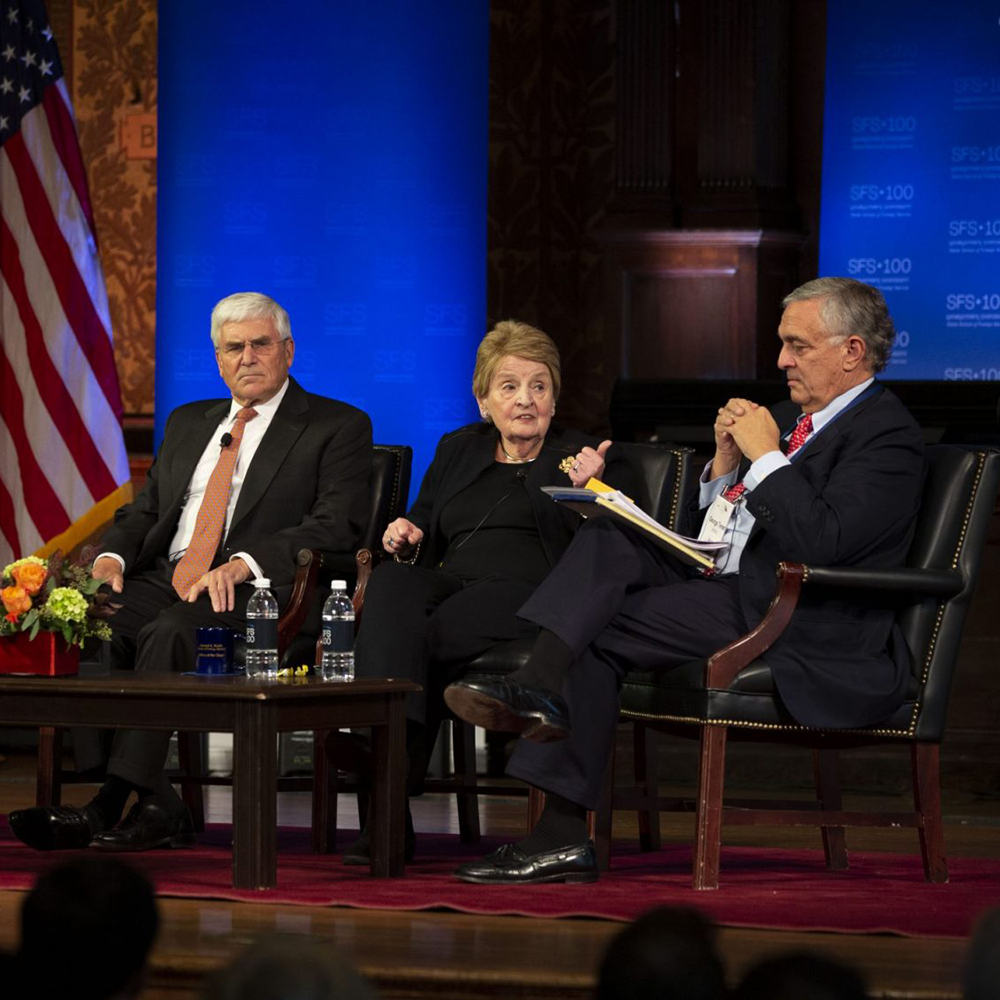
[8, 570]
[66, 603]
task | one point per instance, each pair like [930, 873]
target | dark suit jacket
[850, 498]
[307, 486]
[465, 453]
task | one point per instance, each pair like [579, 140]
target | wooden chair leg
[536, 803]
[646, 770]
[324, 796]
[192, 764]
[600, 821]
[826, 772]
[708, 820]
[463, 742]
[48, 776]
[925, 759]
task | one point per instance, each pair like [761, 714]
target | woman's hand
[588, 464]
[401, 537]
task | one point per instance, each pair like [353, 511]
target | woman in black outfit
[479, 538]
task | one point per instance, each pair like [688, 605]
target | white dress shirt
[253, 433]
[738, 529]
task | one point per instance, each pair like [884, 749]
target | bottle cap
[338, 585]
[262, 581]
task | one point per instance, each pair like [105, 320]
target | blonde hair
[511, 337]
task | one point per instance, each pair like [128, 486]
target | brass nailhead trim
[785, 727]
[742, 724]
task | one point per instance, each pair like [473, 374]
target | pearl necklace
[514, 459]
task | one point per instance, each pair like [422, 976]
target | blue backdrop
[911, 174]
[335, 158]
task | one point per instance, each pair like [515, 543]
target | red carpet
[760, 887]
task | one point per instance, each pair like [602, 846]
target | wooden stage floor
[451, 955]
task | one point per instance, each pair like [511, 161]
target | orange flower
[30, 576]
[16, 601]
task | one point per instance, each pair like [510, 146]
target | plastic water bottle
[262, 631]
[338, 635]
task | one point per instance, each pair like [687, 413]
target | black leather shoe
[503, 704]
[53, 828]
[509, 865]
[146, 826]
[360, 852]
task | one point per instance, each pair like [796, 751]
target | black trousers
[620, 603]
[154, 632]
[425, 625]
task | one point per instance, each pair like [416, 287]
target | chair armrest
[365, 561]
[905, 580]
[723, 665]
[308, 563]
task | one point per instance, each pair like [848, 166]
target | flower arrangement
[53, 595]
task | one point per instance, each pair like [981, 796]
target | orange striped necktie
[197, 559]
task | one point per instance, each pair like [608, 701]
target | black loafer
[53, 828]
[146, 826]
[509, 865]
[503, 704]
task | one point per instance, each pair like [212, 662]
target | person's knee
[161, 640]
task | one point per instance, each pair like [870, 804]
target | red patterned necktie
[802, 430]
[197, 559]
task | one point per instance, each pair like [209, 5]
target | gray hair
[852, 307]
[242, 306]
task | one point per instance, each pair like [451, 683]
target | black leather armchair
[732, 696]
[662, 474]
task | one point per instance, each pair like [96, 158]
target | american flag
[63, 467]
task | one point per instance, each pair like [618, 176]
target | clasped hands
[742, 428]
[220, 583]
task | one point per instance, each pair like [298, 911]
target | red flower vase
[46, 655]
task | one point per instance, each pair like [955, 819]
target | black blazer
[849, 498]
[463, 454]
[308, 485]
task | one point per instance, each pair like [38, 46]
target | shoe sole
[575, 878]
[491, 713]
[176, 841]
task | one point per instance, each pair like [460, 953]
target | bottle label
[262, 633]
[338, 637]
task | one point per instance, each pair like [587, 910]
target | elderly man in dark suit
[832, 478]
[238, 487]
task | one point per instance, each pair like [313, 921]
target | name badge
[717, 518]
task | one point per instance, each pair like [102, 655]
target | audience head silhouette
[801, 974]
[86, 930]
[667, 954]
[981, 979]
[288, 968]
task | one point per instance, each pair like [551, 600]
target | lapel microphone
[226, 440]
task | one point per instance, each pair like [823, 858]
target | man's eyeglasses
[261, 346]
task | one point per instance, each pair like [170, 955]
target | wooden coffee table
[254, 712]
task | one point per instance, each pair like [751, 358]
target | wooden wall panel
[693, 304]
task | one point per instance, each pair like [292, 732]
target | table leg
[255, 815]
[386, 820]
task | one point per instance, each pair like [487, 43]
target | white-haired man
[238, 487]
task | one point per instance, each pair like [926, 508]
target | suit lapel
[287, 424]
[829, 434]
